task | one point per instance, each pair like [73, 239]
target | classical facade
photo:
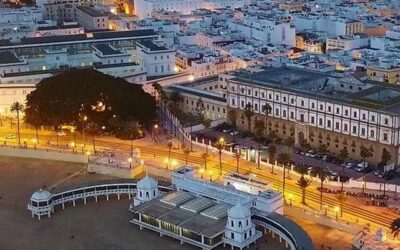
[316, 108]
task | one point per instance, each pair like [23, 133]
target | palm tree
[232, 116]
[175, 97]
[237, 155]
[259, 127]
[93, 129]
[284, 158]
[395, 227]
[323, 174]
[132, 129]
[169, 145]
[271, 156]
[303, 183]
[17, 107]
[249, 113]
[266, 108]
[342, 198]
[186, 151]
[365, 153]
[205, 156]
[343, 156]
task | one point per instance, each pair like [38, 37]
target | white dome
[41, 195]
[147, 183]
[239, 212]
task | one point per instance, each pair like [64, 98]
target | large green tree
[65, 97]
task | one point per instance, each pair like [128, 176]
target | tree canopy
[67, 97]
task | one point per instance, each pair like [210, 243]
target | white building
[91, 19]
[347, 42]
[145, 8]
[268, 30]
[224, 212]
[157, 59]
[319, 108]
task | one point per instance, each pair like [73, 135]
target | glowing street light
[191, 78]
[337, 212]
[220, 145]
[130, 162]
[166, 163]
[174, 163]
[210, 174]
[34, 141]
[201, 171]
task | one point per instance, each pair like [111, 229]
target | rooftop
[7, 57]
[193, 219]
[197, 92]
[107, 50]
[91, 11]
[152, 46]
[374, 95]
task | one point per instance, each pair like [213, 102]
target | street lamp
[166, 163]
[130, 162]
[290, 199]
[88, 155]
[326, 210]
[84, 119]
[174, 163]
[72, 145]
[201, 172]
[34, 143]
[210, 174]
[337, 212]
[220, 145]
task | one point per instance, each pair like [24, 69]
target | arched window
[231, 223]
[240, 224]
[147, 195]
[140, 194]
[154, 192]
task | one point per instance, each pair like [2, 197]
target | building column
[63, 206]
[95, 197]
[118, 196]
[84, 200]
[107, 197]
[73, 202]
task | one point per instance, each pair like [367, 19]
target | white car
[234, 133]
[9, 136]
[359, 168]
[61, 133]
[226, 130]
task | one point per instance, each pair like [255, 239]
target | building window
[313, 105]
[346, 112]
[291, 115]
[337, 111]
[364, 117]
[320, 121]
[284, 99]
[385, 136]
[372, 133]
[231, 223]
[302, 103]
[276, 111]
[354, 130]
[345, 128]
[292, 101]
[363, 131]
[284, 113]
[240, 224]
[301, 117]
[328, 123]
[373, 118]
[337, 126]
[232, 236]
[386, 121]
[321, 107]
[312, 119]
[329, 109]
[355, 114]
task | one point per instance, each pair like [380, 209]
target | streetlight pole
[220, 145]
[84, 119]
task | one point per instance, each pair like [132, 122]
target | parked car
[61, 133]
[9, 136]
[309, 152]
[349, 165]
[359, 168]
[234, 133]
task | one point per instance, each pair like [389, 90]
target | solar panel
[177, 198]
[198, 204]
[216, 212]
